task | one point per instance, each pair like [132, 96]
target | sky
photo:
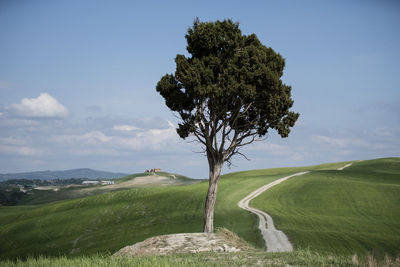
[77, 82]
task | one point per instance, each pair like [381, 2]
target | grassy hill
[258, 258]
[107, 222]
[57, 193]
[353, 210]
[75, 173]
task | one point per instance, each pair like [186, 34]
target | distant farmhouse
[154, 170]
[90, 182]
[104, 182]
[107, 182]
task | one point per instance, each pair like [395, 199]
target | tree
[228, 94]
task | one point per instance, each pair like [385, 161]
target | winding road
[275, 240]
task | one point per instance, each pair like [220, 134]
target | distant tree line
[38, 182]
[11, 193]
[10, 196]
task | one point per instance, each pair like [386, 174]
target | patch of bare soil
[141, 181]
[48, 187]
[222, 241]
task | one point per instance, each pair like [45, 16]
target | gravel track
[275, 240]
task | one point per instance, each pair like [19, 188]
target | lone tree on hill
[228, 94]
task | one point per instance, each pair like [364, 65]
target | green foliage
[232, 78]
[10, 196]
[23, 182]
[354, 210]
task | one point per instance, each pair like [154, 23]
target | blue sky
[77, 82]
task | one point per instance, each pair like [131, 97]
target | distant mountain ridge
[74, 173]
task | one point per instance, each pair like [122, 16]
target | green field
[108, 222]
[104, 223]
[257, 258]
[353, 210]
[36, 196]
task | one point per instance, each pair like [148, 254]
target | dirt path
[275, 240]
[345, 166]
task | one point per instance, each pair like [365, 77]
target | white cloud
[97, 152]
[266, 146]
[125, 128]
[154, 139]
[20, 150]
[12, 141]
[94, 137]
[387, 132]
[17, 146]
[44, 106]
[340, 142]
[285, 151]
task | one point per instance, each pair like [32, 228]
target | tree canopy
[229, 92]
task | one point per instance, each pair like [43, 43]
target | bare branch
[243, 155]
[252, 135]
[223, 137]
[200, 152]
[199, 138]
[253, 138]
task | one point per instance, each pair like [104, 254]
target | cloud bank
[125, 128]
[138, 139]
[44, 106]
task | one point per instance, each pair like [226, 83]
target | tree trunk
[215, 170]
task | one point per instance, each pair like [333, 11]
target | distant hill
[329, 212]
[75, 173]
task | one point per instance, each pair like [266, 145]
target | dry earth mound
[222, 241]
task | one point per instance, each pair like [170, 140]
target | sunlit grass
[107, 222]
[354, 210]
[297, 258]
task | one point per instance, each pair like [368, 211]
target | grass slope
[107, 222]
[354, 210]
[35, 196]
[258, 258]
[101, 223]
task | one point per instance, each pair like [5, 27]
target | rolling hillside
[353, 210]
[107, 222]
[47, 194]
[75, 173]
